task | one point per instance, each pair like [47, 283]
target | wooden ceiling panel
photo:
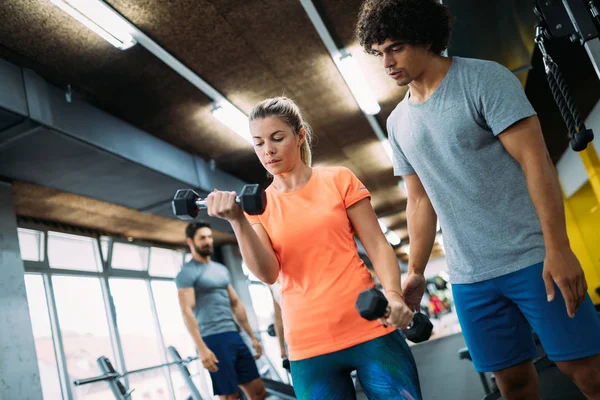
[48, 204]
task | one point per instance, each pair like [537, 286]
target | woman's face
[276, 144]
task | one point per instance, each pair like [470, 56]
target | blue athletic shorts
[236, 363]
[385, 368]
[498, 318]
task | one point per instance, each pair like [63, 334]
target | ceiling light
[406, 249]
[383, 227]
[393, 238]
[387, 148]
[101, 19]
[233, 118]
[358, 84]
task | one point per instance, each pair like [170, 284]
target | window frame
[107, 271]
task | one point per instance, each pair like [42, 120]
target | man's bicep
[233, 296]
[187, 298]
[414, 186]
[524, 141]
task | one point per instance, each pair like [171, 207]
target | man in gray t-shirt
[210, 308]
[469, 147]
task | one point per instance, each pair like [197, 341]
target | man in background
[210, 308]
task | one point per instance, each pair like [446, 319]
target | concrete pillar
[19, 374]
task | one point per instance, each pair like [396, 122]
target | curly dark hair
[410, 21]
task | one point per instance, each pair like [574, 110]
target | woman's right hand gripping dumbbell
[223, 205]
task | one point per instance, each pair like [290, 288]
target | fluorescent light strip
[387, 148]
[406, 249]
[383, 227]
[357, 82]
[335, 53]
[100, 19]
[345, 63]
[230, 115]
[393, 238]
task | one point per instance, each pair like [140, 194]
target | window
[262, 301]
[164, 262]
[84, 328]
[249, 273]
[31, 244]
[73, 252]
[42, 333]
[139, 338]
[129, 256]
[175, 334]
[104, 241]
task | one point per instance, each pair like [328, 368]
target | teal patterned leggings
[385, 368]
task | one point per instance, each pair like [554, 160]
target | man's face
[203, 242]
[403, 62]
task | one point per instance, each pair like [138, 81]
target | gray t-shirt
[478, 190]
[213, 305]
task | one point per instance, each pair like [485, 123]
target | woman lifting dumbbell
[305, 237]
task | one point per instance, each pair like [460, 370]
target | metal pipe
[114, 375]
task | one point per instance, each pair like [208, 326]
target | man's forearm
[240, 315]
[192, 326]
[421, 219]
[546, 196]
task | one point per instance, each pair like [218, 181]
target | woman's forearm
[385, 264]
[260, 260]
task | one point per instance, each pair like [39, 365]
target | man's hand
[209, 360]
[257, 348]
[413, 289]
[561, 266]
[398, 313]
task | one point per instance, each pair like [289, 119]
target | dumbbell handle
[201, 203]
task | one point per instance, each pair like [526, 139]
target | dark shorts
[498, 318]
[384, 366]
[236, 363]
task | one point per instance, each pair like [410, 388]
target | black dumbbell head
[420, 330]
[184, 204]
[253, 199]
[371, 304]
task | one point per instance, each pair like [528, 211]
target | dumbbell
[285, 363]
[186, 202]
[372, 304]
